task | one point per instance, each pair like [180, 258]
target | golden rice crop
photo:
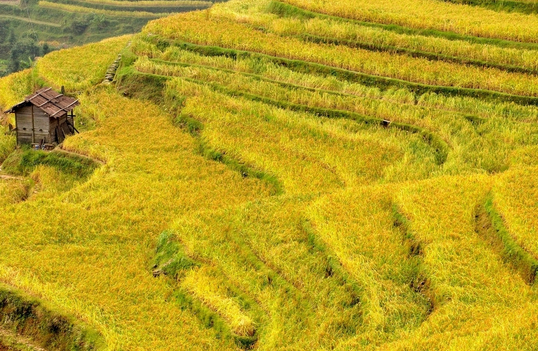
[263, 250]
[14, 88]
[516, 199]
[358, 226]
[213, 292]
[315, 154]
[82, 9]
[479, 107]
[200, 29]
[82, 66]
[104, 248]
[370, 244]
[7, 144]
[483, 152]
[431, 14]
[377, 37]
[481, 303]
[12, 191]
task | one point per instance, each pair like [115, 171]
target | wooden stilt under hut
[44, 118]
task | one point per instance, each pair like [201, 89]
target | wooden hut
[44, 118]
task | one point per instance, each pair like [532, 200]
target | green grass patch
[137, 86]
[24, 161]
[170, 258]
[8, 143]
[28, 317]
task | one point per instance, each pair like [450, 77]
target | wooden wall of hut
[33, 125]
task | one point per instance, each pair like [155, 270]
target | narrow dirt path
[31, 20]
[10, 341]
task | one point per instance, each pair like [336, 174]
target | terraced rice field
[67, 23]
[287, 175]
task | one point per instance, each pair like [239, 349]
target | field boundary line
[467, 116]
[415, 53]
[490, 225]
[381, 82]
[22, 19]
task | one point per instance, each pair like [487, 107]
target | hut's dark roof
[49, 101]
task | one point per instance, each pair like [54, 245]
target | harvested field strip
[490, 225]
[440, 147]
[378, 81]
[133, 6]
[28, 20]
[433, 18]
[415, 53]
[82, 9]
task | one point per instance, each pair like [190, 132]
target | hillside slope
[32, 28]
[288, 175]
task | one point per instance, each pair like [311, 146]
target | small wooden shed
[44, 118]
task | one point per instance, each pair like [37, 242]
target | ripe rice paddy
[265, 176]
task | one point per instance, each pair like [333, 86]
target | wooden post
[33, 126]
[17, 128]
